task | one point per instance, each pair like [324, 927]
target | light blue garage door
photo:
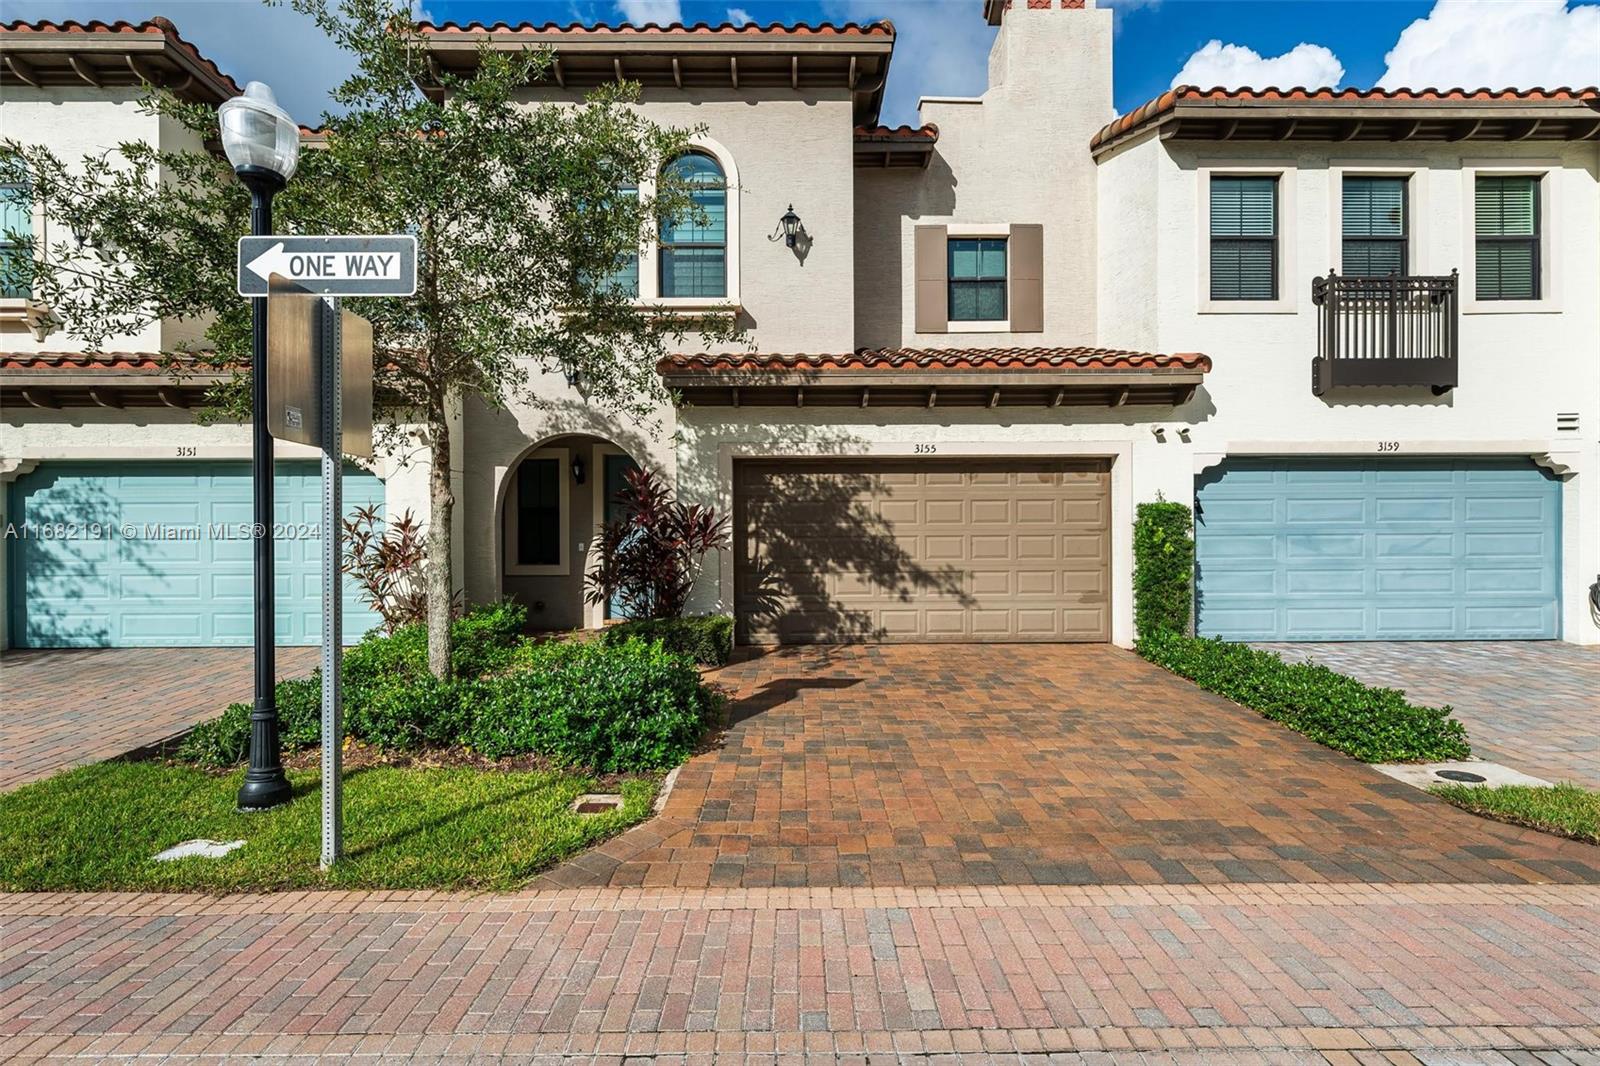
[1384, 549]
[129, 554]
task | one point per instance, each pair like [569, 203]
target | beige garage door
[922, 550]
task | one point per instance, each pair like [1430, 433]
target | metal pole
[265, 784]
[331, 353]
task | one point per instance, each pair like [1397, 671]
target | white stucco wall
[1519, 366]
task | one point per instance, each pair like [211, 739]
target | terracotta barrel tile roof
[890, 359]
[926, 132]
[48, 361]
[1165, 103]
[13, 35]
[880, 27]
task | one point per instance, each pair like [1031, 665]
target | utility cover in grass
[206, 849]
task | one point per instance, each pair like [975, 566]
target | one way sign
[330, 266]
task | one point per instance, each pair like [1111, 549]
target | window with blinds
[1375, 226]
[16, 236]
[1507, 221]
[694, 251]
[539, 512]
[1244, 237]
[977, 274]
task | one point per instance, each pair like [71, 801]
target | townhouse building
[1357, 331]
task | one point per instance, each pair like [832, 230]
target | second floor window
[694, 251]
[977, 273]
[1244, 237]
[625, 278]
[16, 229]
[1506, 216]
[1375, 226]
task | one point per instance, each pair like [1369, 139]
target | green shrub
[300, 712]
[410, 714]
[222, 741]
[706, 638]
[1163, 568]
[612, 707]
[1371, 724]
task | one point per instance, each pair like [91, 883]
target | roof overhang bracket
[24, 72]
[84, 71]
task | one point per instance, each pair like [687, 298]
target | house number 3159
[1388, 445]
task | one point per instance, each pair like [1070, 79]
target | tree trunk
[441, 509]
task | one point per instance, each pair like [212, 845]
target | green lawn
[97, 828]
[1566, 809]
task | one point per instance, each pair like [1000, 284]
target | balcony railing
[1391, 330]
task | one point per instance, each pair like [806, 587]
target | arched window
[694, 251]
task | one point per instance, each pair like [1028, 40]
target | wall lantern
[577, 470]
[789, 226]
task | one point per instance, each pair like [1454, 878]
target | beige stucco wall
[1018, 154]
[1519, 366]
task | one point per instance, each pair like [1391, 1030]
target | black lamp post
[263, 144]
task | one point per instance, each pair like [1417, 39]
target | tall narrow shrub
[1163, 568]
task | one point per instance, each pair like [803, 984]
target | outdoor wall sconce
[788, 227]
[569, 371]
[577, 470]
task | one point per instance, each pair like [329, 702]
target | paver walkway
[1042, 764]
[1199, 974]
[1533, 705]
[65, 708]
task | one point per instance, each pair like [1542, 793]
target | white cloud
[660, 12]
[1234, 66]
[739, 16]
[941, 48]
[1502, 44]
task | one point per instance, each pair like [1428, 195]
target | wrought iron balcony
[1392, 330]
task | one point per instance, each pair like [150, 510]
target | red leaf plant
[650, 554]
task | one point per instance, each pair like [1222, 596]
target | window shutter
[930, 280]
[1026, 278]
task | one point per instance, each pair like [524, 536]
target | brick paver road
[1041, 764]
[1197, 974]
[1532, 705]
[69, 707]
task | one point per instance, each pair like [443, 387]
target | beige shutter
[932, 281]
[1025, 278]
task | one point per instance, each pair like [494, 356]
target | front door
[616, 479]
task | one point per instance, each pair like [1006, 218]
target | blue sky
[942, 44]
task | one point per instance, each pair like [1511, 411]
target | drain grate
[596, 803]
[1466, 777]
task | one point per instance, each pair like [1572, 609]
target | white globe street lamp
[263, 144]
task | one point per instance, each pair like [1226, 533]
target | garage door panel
[955, 558]
[1446, 549]
[185, 579]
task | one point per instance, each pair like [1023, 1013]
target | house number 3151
[1388, 445]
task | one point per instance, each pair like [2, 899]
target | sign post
[319, 369]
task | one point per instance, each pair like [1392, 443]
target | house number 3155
[1388, 445]
[924, 449]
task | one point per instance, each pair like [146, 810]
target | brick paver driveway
[68, 707]
[1532, 705]
[1016, 764]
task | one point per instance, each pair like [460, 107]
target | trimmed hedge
[1163, 568]
[612, 706]
[706, 638]
[1371, 724]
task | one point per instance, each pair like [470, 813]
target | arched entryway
[555, 498]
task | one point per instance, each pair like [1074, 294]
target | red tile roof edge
[1164, 103]
[159, 24]
[893, 359]
[878, 27]
[53, 361]
[926, 132]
